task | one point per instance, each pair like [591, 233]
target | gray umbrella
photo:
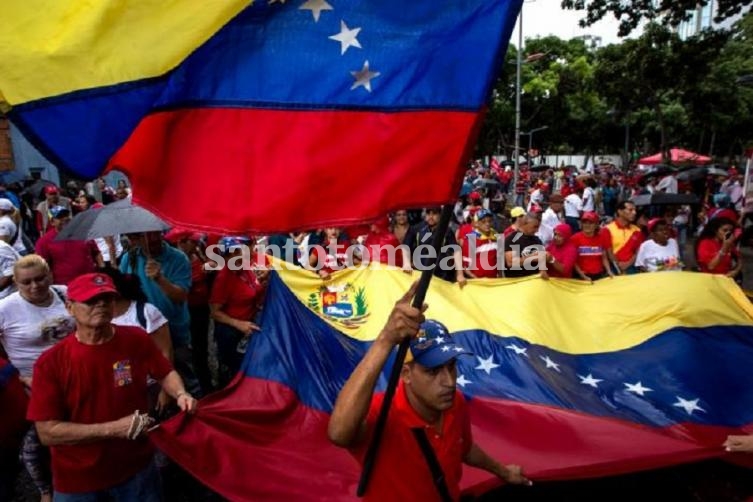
[120, 217]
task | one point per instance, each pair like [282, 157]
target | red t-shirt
[67, 259]
[237, 293]
[624, 241]
[199, 292]
[589, 251]
[707, 250]
[566, 254]
[400, 471]
[381, 246]
[13, 403]
[92, 384]
[463, 231]
[484, 264]
[331, 262]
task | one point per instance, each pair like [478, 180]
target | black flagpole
[423, 285]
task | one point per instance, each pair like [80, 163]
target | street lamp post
[530, 136]
[518, 67]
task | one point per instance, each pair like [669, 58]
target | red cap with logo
[85, 287]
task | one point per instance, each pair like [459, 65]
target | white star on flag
[521, 351]
[347, 38]
[590, 380]
[439, 340]
[637, 388]
[688, 405]
[363, 77]
[550, 363]
[462, 381]
[421, 339]
[446, 348]
[316, 7]
[486, 364]
[459, 349]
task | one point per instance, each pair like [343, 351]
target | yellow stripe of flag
[48, 48]
[565, 315]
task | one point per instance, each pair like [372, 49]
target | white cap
[6, 205]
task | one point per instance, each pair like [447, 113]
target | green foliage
[662, 90]
[632, 13]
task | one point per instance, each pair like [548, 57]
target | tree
[632, 12]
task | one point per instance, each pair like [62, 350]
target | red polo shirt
[401, 471]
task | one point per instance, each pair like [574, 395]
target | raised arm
[347, 423]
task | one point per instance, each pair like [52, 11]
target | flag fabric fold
[259, 116]
[568, 379]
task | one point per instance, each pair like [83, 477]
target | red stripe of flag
[299, 162]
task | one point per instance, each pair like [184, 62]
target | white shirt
[656, 258]
[589, 199]
[668, 184]
[8, 227]
[104, 249]
[573, 205]
[152, 315]
[536, 199]
[27, 330]
[8, 258]
[549, 220]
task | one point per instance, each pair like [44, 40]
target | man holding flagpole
[428, 431]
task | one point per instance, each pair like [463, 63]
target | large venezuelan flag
[568, 379]
[257, 116]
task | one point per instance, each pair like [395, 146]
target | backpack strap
[140, 313]
[437, 475]
[59, 294]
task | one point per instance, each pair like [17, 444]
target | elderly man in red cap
[89, 395]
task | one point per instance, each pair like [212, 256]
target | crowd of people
[162, 299]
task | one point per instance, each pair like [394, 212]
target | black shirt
[522, 246]
[419, 235]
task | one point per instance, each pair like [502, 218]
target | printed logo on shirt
[121, 372]
[589, 251]
[57, 328]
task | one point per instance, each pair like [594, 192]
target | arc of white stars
[689, 405]
[486, 364]
[550, 363]
[637, 388]
[590, 380]
[521, 351]
[346, 37]
[462, 381]
[316, 7]
[363, 77]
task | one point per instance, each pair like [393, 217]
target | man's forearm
[354, 399]
[175, 293]
[54, 433]
[173, 385]
[476, 457]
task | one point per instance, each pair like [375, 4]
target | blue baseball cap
[233, 242]
[59, 212]
[484, 213]
[434, 345]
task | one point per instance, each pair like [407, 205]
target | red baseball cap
[87, 286]
[50, 189]
[590, 216]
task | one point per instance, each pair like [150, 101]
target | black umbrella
[540, 168]
[665, 199]
[120, 217]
